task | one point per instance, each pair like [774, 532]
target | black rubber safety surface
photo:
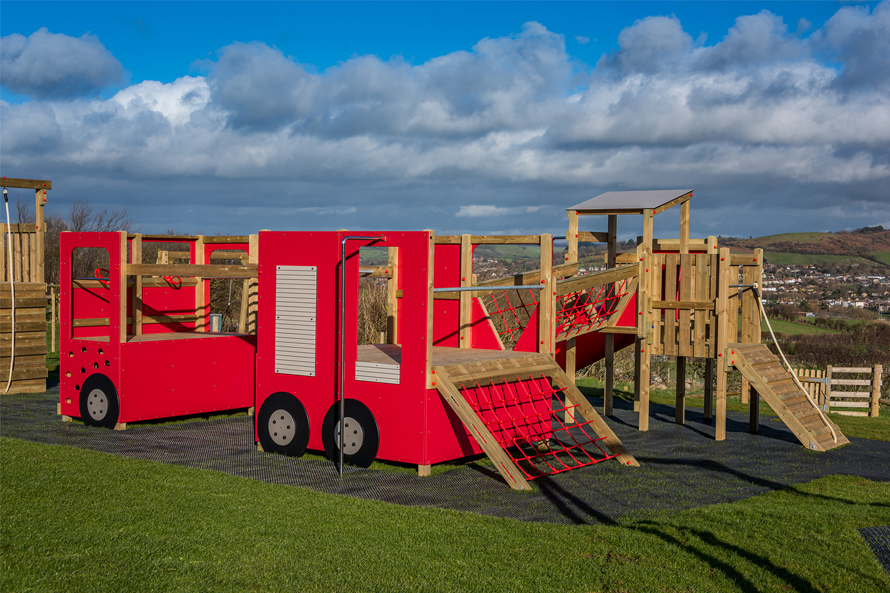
[878, 539]
[681, 466]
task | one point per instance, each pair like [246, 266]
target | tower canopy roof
[633, 202]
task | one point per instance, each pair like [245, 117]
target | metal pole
[343, 339]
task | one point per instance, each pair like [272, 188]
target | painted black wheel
[99, 405]
[362, 438]
[283, 425]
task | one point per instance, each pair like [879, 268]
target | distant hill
[869, 247]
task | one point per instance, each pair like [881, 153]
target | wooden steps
[458, 385]
[775, 384]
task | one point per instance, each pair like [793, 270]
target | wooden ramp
[774, 383]
[527, 416]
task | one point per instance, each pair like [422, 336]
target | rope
[788, 366]
[11, 293]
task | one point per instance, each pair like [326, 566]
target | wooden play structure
[22, 274]
[467, 367]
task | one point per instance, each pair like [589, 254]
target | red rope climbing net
[528, 417]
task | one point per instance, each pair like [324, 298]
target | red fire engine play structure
[467, 367]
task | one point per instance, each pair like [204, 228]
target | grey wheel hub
[282, 427]
[354, 436]
[97, 404]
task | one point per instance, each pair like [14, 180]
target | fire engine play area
[464, 368]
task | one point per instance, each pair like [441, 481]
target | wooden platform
[776, 385]
[392, 354]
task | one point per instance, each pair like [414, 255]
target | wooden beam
[136, 307]
[668, 205]
[532, 277]
[490, 239]
[39, 223]
[465, 307]
[723, 328]
[430, 305]
[680, 403]
[684, 305]
[193, 270]
[572, 237]
[392, 301]
[201, 307]
[15, 183]
[609, 387]
[571, 353]
[547, 299]
[593, 237]
[122, 289]
[645, 293]
[253, 296]
[684, 227]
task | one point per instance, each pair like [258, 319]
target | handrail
[342, 329]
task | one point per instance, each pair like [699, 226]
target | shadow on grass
[743, 583]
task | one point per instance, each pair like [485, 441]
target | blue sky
[460, 116]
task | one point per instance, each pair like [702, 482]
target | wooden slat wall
[24, 244]
[689, 282]
[29, 371]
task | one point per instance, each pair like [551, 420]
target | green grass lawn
[793, 329]
[76, 520]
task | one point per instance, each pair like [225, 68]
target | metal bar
[343, 338]
[485, 288]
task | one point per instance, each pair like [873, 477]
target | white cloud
[510, 127]
[49, 65]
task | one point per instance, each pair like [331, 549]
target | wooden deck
[392, 354]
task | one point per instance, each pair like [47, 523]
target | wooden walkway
[775, 384]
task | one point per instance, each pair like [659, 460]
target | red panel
[484, 335]
[398, 409]
[176, 377]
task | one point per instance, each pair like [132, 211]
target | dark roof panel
[630, 201]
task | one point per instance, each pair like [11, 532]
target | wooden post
[39, 206]
[423, 471]
[430, 302]
[200, 306]
[680, 404]
[754, 411]
[3, 276]
[827, 407]
[392, 291]
[253, 296]
[874, 411]
[465, 309]
[547, 301]
[572, 237]
[136, 258]
[611, 254]
[609, 385]
[570, 373]
[645, 292]
[645, 377]
[122, 288]
[722, 328]
[709, 390]
[684, 228]
[637, 380]
[52, 306]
